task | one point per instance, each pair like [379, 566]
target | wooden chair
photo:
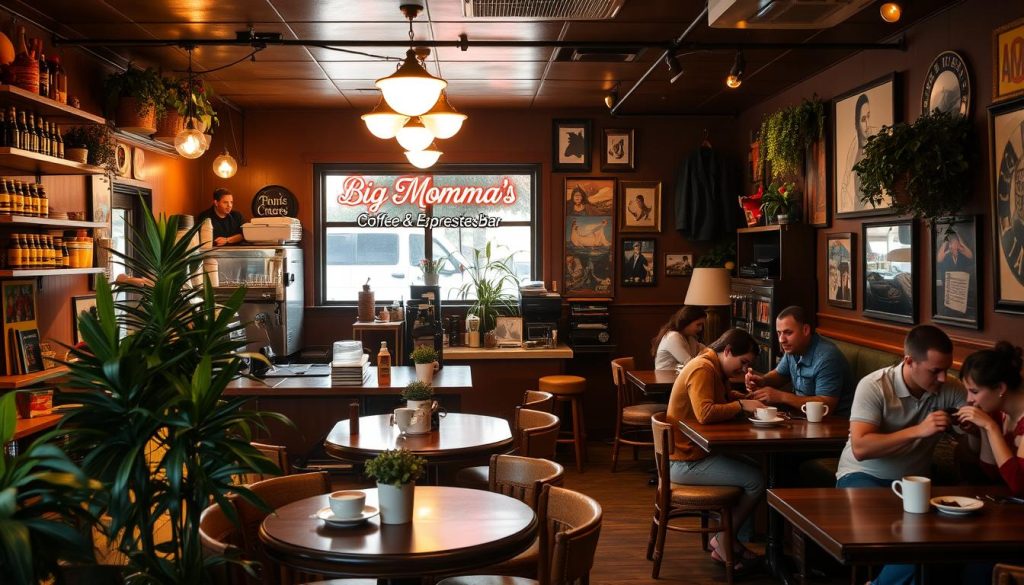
[537, 400]
[535, 435]
[674, 500]
[1008, 575]
[632, 423]
[219, 536]
[278, 454]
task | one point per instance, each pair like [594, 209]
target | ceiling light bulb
[443, 121]
[411, 90]
[423, 159]
[611, 98]
[414, 136]
[225, 166]
[735, 77]
[383, 122]
[891, 11]
[733, 81]
[190, 143]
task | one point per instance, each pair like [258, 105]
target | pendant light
[383, 122]
[411, 90]
[735, 77]
[225, 166]
[443, 120]
[190, 142]
[414, 135]
[424, 159]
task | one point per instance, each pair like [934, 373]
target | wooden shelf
[30, 272]
[26, 380]
[23, 161]
[47, 222]
[762, 228]
[25, 427]
[52, 110]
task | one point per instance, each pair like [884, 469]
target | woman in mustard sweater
[701, 392]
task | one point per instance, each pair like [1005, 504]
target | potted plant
[780, 202]
[91, 144]
[431, 270]
[396, 472]
[417, 393]
[490, 280]
[425, 358]
[924, 167]
[786, 134]
[176, 101]
[137, 98]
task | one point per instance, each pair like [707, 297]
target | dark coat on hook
[706, 204]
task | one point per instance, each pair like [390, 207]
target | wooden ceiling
[482, 77]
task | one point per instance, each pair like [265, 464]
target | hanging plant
[924, 166]
[787, 133]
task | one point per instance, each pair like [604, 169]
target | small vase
[430, 279]
[396, 503]
[783, 218]
[490, 340]
[425, 372]
[77, 154]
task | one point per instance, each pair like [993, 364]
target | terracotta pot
[169, 126]
[128, 117]
[77, 154]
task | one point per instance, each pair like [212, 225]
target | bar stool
[570, 389]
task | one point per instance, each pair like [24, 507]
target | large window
[378, 222]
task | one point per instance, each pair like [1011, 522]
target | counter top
[461, 353]
[449, 380]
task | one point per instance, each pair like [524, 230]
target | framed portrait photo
[571, 143]
[1006, 81]
[509, 331]
[857, 115]
[619, 152]
[80, 304]
[1006, 135]
[589, 268]
[638, 262]
[955, 271]
[678, 264]
[890, 280]
[19, 314]
[841, 269]
[640, 206]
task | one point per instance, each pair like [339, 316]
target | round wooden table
[460, 437]
[453, 530]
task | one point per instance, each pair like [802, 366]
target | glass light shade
[423, 159]
[225, 166]
[733, 81]
[383, 122]
[414, 136]
[891, 11]
[443, 120]
[411, 91]
[190, 143]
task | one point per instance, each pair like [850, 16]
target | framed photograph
[857, 115]
[947, 85]
[840, 268]
[80, 304]
[955, 271]
[678, 264]
[816, 200]
[19, 310]
[638, 262]
[572, 145]
[589, 233]
[1006, 133]
[619, 152]
[30, 354]
[509, 331]
[890, 280]
[1006, 79]
[640, 206]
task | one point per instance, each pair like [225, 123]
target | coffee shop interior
[431, 291]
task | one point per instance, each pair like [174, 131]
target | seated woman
[676, 342]
[701, 392]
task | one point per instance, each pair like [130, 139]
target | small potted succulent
[425, 358]
[91, 144]
[396, 472]
[137, 98]
[780, 202]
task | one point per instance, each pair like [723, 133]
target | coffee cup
[915, 491]
[403, 418]
[347, 503]
[767, 413]
[814, 410]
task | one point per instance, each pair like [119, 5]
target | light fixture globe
[225, 166]
[733, 81]
[423, 159]
[383, 122]
[443, 120]
[411, 90]
[190, 143]
[414, 135]
[891, 11]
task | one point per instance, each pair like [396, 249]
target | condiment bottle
[383, 365]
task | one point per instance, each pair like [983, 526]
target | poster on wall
[856, 116]
[955, 271]
[1008, 77]
[1006, 132]
[889, 272]
[841, 272]
[589, 234]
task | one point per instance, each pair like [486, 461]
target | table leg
[773, 554]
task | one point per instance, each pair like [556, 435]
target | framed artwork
[955, 271]
[80, 304]
[1006, 135]
[638, 262]
[857, 115]
[30, 355]
[589, 233]
[619, 152]
[122, 159]
[890, 280]
[947, 85]
[841, 270]
[571, 143]
[640, 206]
[816, 201]
[19, 310]
[509, 331]
[101, 192]
[1006, 79]
[678, 264]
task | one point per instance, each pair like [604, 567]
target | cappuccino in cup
[767, 413]
[347, 503]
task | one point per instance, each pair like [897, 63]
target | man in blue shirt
[816, 368]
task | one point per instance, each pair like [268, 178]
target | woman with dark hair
[676, 342]
[701, 392]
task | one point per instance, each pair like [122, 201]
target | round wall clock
[947, 85]
[139, 163]
[123, 158]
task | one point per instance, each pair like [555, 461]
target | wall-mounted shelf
[146, 142]
[25, 427]
[47, 222]
[30, 272]
[763, 228]
[24, 161]
[53, 111]
[26, 380]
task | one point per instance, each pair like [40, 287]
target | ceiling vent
[543, 9]
[599, 55]
[779, 14]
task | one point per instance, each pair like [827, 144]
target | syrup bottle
[384, 365]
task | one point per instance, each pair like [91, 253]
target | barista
[227, 223]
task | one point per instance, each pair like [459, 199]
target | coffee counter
[455, 354]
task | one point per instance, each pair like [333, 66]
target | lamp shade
[383, 122]
[414, 136]
[423, 159]
[411, 90]
[190, 143]
[225, 166]
[709, 287]
[443, 120]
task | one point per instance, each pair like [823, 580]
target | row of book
[26, 355]
[351, 372]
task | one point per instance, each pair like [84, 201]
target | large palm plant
[490, 279]
[153, 425]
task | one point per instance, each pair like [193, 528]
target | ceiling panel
[272, 70]
[371, 70]
[498, 70]
[600, 71]
[275, 87]
[494, 53]
[196, 10]
[497, 31]
[335, 10]
[361, 31]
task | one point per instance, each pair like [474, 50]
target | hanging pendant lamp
[443, 120]
[411, 90]
[190, 142]
[225, 166]
[384, 122]
[414, 135]
[423, 159]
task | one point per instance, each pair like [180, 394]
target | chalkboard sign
[274, 201]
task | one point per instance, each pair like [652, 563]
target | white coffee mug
[915, 491]
[767, 413]
[347, 503]
[403, 418]
[814, 410]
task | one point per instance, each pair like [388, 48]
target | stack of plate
[57, 215]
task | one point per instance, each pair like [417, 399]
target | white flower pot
[425, 372]
[396, 504]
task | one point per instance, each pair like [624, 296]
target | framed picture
[947, 85]
[572, 145]
[890, 280]
[816, 201]
[638, 262]
[840, 268]
[1006, 133]
[619, 152]
[80, 304]
[1006, 79]
[678, 264]
[19, 310]
[509, 331]
[640, 206]
[589, 233]
[100, 194]
[955, 271]
[30, 354]
[857, 115]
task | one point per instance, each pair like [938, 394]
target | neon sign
[357, 191]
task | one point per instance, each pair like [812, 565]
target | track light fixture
[735, 77]
[612, 97]
[891, 11]
[675, 68]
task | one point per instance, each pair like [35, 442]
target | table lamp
[710, 287]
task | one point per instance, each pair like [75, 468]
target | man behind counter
[227, 224]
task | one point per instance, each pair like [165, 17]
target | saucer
[964, 505]
[766, 423]
[329, 519]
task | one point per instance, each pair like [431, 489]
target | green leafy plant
[780, 200]
[145, 85]
[719, 256]
[177, 98]
[423, 354]
[924, 166]
[99, 140]
[432, 266]
[151, 421]
[490, 278]
[417, 390]
[396, 467]
[785, 135]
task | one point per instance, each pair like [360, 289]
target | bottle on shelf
[14, 252]
[44, 201]
[44, 76]
[3, 128]
[17, 197]
[60, 142]
[5, 197]
[383, 365]
[65, 257]
[13, 132]
[24, 140]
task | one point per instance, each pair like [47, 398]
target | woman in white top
[676, 343]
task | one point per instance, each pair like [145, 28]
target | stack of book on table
[350, 372]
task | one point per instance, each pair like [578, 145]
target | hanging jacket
[706, 207]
